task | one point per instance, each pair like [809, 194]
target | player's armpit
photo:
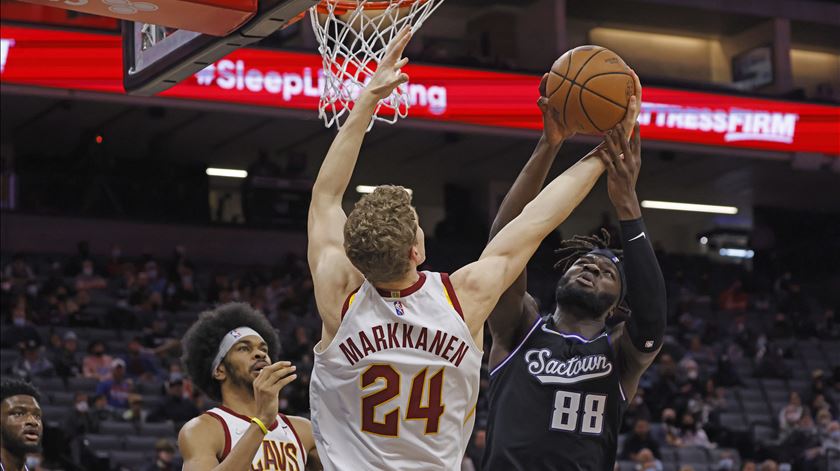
[303, 428]
[508, 323]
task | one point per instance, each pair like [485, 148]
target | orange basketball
[590, 86]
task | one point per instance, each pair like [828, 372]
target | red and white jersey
[281, 448]
[398, 385]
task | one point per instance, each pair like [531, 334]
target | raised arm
[333, 275]
[480, 284]
[514, 311]
[640, 338]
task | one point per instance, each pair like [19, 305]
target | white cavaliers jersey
[281, 448]
[397, 387]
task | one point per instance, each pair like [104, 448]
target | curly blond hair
[380, 232]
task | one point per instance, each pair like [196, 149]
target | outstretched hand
[554, 129]
[623, 160]
[388, 75]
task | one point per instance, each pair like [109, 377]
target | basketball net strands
[353, 36]
[166, 41]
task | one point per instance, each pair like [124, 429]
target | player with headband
[230, 353]
[569, 375]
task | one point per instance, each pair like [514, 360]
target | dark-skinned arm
[640, 338]
[516, 309]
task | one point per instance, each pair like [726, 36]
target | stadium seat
[104, 442]
[733, 421]
[751, 395]
[626, 466]
[118, 428]
[773, 384]
[756, 407]
[163, 429]
[131, 459]
[82, 384]
[62, 398]
[693, 455]
[55, 413]
[141, 443]
[762, 433]
[49, 384]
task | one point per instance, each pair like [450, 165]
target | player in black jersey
[560, 384]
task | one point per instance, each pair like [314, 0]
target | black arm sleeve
[645, 288]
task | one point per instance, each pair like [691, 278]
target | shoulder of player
[199, 432]
[303, 427]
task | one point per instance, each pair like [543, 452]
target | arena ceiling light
[226, 172]
[736, 253]
[364, 189]
[697, 208]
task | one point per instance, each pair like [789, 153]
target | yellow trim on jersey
[472, 411]
[448, 299]
[350, 301]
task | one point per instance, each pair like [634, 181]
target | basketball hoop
[353, 35]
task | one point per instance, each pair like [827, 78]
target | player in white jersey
[228, 354]
[388, 390]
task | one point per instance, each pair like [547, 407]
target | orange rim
[343, 6]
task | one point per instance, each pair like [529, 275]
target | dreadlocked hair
[572, 249]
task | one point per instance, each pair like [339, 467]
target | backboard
[157, 57]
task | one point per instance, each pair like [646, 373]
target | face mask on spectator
[88, 271]
[82, 406]
[20, 321]
[725, 464]
[835, 435]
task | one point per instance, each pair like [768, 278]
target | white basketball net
[352, 41]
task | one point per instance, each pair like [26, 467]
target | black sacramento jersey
[555, 404]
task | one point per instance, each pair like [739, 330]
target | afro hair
[201, 342]
[16, 387]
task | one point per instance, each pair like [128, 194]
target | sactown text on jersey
[552, 371]
[399, 335]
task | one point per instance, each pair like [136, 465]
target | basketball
[590, 86]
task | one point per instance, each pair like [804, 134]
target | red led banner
[86, 61]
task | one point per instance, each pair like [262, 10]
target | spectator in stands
[639, 440]
[646, 461]
[828, 327]
[831, 443]
[164, 457]
[691, 434]
[770, 361]
[81, 421]
[115, 265]
[769, 465]
[97, 364]
[67, 362]
[19, 273]
[790, 414]
[686, 467]
[117, 387]
[734, 298]
[725, 462]
[818, 387]
[157, 280]
[135, 413]
[669, 427]
[32, 363]
[184, 290]
[749, 466]
[101, 410]
[702, 354]
[726, 374]
[140, 362]
[74, 265]
[87, 279]
[159, 337]
[665, 388]
[636, 410]
[174, 407]
[823, 420]
[21, 331]
[804, 437]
